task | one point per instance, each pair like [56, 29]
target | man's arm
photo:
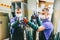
[41, 28]
[14, 23]
[38, 21]
[35, 27]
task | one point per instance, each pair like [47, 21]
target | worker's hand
[25, 20]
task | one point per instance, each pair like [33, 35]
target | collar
[45, 20]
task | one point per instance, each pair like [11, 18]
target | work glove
[38, 21]
[35, 27]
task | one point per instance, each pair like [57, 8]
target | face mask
[34, 20]
[42, 16]
[19, 16]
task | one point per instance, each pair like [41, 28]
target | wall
[5, 9]
[31, 7]
[56, 15]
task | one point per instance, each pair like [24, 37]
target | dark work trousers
[34, 35]
[29, 37]
[28, 34]
[41, 36]
[51, 36]
[18, 34]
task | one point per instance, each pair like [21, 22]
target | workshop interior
[29, 9]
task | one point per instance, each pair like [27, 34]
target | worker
[46, 26]
[17, 25]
